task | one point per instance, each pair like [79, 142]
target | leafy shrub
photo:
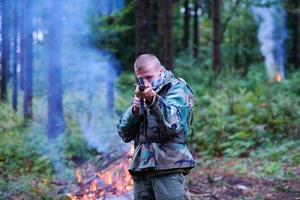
[235, 114]
[29, 161]
[21, 165]
[125, 89]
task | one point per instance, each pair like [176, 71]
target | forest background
[67, 76]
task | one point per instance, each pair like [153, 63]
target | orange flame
[106, 177]
[114, 180]
[118, 177]
[93, 187]
[85, 197]
[277, 77]
[71, 196]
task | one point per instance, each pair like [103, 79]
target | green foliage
[286, 151]
[21, 165]
[234, 114]
[274, 168]
[125, 87]
[17, 151]
[9, 120]
[239, 39]
[261, 168]
[29, 161]
[75, 149]
[273, 159]
[115, 33]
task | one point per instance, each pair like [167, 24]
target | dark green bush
[29, 161]
[235, 113]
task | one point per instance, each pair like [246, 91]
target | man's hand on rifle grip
[148, 94]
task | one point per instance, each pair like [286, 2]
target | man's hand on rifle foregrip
[135, 105]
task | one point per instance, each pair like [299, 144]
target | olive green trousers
[164, 187]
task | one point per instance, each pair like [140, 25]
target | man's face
[148, 73]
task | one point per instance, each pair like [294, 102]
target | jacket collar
[168, 79]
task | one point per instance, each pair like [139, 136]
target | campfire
[111, 180]
[277, 77]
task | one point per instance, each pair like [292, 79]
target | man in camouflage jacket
[161, 157]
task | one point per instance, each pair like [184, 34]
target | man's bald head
[148, 67]
[145, 61]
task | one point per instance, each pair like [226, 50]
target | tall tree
[207, 4]
[160, 29]
[4, 48]
[196, 29]
[227, 20]
[55, 125]
[22, 14]
[295, 36]
[28, 59]
[15, 56]
[167, 34]
[155, 37]
[216, 36]
[186, 24]
[142, 26]
[293, 8]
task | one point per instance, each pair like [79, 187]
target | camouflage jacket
[172, 108]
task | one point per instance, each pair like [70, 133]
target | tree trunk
[167, 43]
[55, 125]
[15, 57]
[186, 24]
[295, 35]
[160, 30]
[196, 30]
[154, 43]
[4, 49]
[208, 7]
[216, 36]
[22, 10]
[28, 60]
[142, 26]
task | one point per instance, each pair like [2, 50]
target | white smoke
[271, 34]
[88, 72]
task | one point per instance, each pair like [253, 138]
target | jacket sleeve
[128, 125]
[173, 109]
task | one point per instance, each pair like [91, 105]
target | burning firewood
[112, 179]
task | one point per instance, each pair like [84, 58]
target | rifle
[141, 84]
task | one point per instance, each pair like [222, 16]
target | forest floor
[233, 179]
[224, 180]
